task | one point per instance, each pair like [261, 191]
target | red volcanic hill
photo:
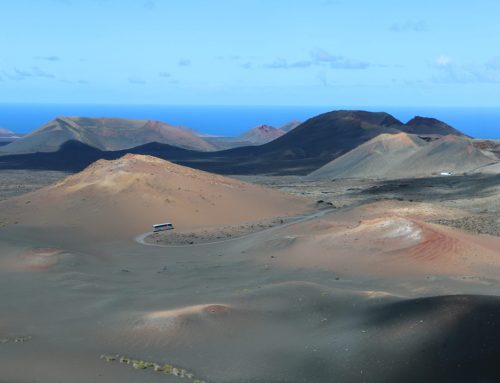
[262, 134]
[126, 196]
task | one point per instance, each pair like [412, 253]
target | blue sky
[274, 52]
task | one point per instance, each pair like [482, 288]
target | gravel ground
[486, 224]
[339, 193]
[173, 237]
[17, 182]
[478, 194]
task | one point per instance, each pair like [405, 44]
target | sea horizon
[232, 120]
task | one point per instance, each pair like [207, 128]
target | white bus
[163, 226]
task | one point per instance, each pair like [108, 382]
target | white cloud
[451, 72]
[279, 63]
[322, 77]
[184, 62]
[136, 80]
[443, 61]
[48, 58]
[21, 74]
[411, 26]
[149, 4]
[493, 63]
[320, 57]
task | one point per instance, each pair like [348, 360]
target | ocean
[233, 120]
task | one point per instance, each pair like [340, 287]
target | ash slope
[105, 134]
[125, 197]
[374, 158]
[403, 155]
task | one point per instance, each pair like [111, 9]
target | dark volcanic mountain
[309, 146]
[327, 136]
[424, 125]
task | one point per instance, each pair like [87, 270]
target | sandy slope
[374, 158]
[405, 156]
[386, 239]
[448, 154]
[125, 197]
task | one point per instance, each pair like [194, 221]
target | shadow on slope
[440, 339]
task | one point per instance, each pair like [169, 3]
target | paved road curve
[298, 219]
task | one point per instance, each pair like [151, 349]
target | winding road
[141, 239]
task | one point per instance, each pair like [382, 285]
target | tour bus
[163, 226]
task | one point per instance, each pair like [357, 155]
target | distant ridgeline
[6, 137]
[110, 134]
[73, 143]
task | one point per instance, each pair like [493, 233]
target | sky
[253, 52]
